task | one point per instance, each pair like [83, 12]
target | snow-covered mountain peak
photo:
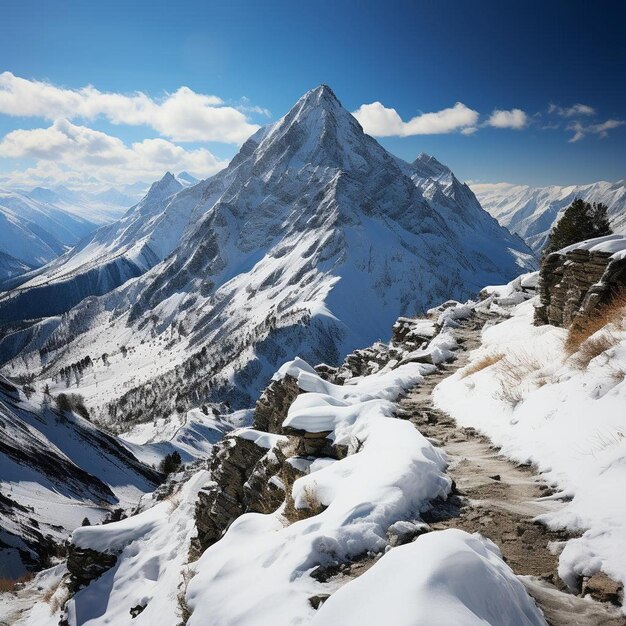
[166, 186]
[186, 179]
[531, 212]
[317, 131]
[312, 241]
[321, 96]
[427, 166]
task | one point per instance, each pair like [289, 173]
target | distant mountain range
[39, 225]
[531, 212]
[311, 242]
[33, 232]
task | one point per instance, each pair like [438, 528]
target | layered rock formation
[245, 468]
[254, 469]
[575, 281]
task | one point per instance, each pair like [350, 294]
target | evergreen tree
[170, 463]
[580, 221]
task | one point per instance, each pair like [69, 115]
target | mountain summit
[311, 242]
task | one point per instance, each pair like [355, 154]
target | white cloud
[580, 130]
[66, 151]
[380, 121]
[574, 110]
[181, 116]
[515, 118]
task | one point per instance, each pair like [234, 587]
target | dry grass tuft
[593, 347]
[512, 370]
[48, 593]
[312, 506]
[11, 585]
[612, 313]
[58, 598]
[181, 599]
[618, 375]
[312, 501]
[481, 364]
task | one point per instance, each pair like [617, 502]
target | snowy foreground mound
[561, 407]
[447, 577]
[259, 572]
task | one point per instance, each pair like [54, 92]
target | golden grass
[58, 598]
[10, 585]
[512, 370]
[181, 599]
[312, 501]
[481, 364]
[612, 313]
[593, 347]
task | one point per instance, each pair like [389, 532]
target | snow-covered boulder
[447, 577]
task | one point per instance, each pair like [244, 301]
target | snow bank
[111, 538]
[611, 244]
[150, 568]
[259, 437]
[539, 406]
[258, 573]
[447, 577]
[439, 350]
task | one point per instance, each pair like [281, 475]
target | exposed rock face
[255, 469]
[85, 565]
[366, 361]
[575, 283]
[271, 408]
[327, 372]
[243, 471]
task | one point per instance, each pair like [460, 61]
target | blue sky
[256, 59]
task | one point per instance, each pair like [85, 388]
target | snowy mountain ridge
[312, 241]
[56, 468]
[114, 253]
[531, 212]
[33, 232]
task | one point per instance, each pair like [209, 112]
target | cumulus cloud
[515, 118]
[69, 151]
[181, 116]
[572, 111]
[380, 121]
[602, 130]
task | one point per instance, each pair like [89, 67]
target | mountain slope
[113, 254]
[33, 232]
[312, 241]
[55, 469]
[531, 212]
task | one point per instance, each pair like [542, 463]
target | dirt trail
[499, 499]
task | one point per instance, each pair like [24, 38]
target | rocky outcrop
[271, 408]
[243, 469]
[575, 283]
[365, 361]
[85, 565]
[254, 469]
